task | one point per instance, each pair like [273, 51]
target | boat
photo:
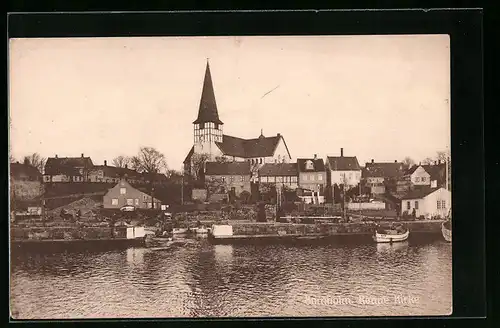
[391, 235]
[446, 228]
[200, 230]
[179, 231]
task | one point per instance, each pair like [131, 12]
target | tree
[149, 160]
[35, 160]
[428, 161]
[198, 165]
[121, 161]
[408, 161]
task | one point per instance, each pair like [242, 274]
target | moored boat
[391, 235]
[179, 231]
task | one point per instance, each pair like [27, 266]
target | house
[312, 179]
[279, 174]
[110, 174]
[382, 176]
[123, 194]
[67, 169]
[428, 202]
[211, 143]
[229, 176]
[343, 170]
[433, 175]
[26, 189]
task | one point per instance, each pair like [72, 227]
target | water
[205, 280]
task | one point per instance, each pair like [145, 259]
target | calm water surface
[205, 280]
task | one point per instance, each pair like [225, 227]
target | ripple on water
[225, 280]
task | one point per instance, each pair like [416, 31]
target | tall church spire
[207, 111]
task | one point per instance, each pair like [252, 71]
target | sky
[377, 97]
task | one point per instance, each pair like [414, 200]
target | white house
[427, 201]
[419, 176]
[344, 169]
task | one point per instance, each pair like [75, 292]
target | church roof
[249, 148]
[207, 111]
[229, 168]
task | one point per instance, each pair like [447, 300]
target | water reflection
[232, 280]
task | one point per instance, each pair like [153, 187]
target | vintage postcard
[168, 177]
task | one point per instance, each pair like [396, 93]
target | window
[417, 179]
[423, 179]
[144, 197]
[279, 179]
[130, 201]
[271, 179]
[294, 179]
[260, 161]
[123, 191]
[263, 179]
[231, 178]
[149, 205]
[114, 201]
[441, 205]
[223, 179]
[137, 202]
[320, 177]
[416, 204]
[408, 206]
[242, 178]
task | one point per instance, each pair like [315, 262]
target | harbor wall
[360, 228]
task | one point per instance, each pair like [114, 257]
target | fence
[365, 206]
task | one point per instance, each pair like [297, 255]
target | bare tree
[149, 160]
[121, 161]
[428, 161]
[198, 164]
[408, 161]
[35, 160]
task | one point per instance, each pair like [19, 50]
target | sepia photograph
[230, 176]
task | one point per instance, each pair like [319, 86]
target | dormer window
[309, 165]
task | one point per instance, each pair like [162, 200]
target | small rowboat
[390, 235]
[179, 231]
[446, 230]
[200, 230]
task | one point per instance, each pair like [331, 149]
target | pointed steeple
[207, 111]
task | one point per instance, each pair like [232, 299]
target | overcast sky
[380, 97]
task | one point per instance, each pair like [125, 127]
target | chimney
[82, 155]
[279, 134]
[56, 155]
[105, 163]
[341, 152]
[315, 156]
[395, 161]
[372, 161]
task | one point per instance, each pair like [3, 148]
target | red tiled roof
[343, 163]
[419, 193]
[386, 170]
[249, 148]
[230, 168]
[318, 163]
[207, 111]
[18, 169]
[278, 169]
[66, 165]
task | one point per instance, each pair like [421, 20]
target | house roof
[437, 172]
[418, 193]
[343, 163]
[66, 165]
[117, 172]
[318, 164]
[250, 148]
[20, 169]
[386, 170]
[207, 111]
[188, 157]
[278, 169]
[230, 168]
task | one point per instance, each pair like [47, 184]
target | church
[210, 140]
